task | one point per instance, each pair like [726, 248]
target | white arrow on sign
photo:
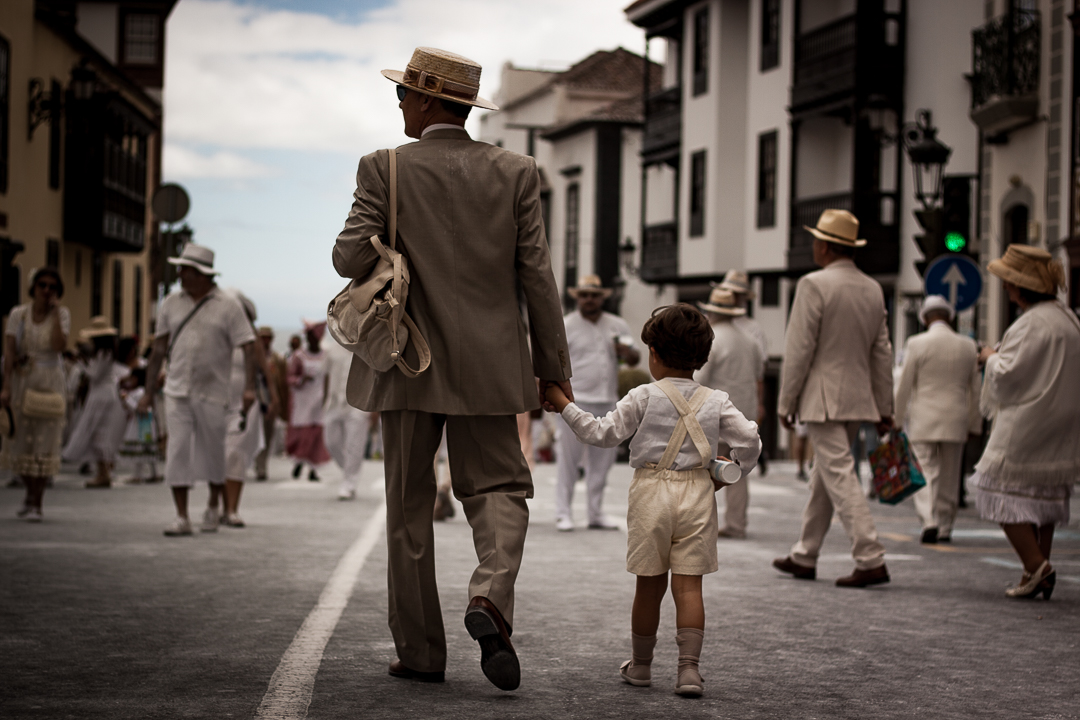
[953, 278]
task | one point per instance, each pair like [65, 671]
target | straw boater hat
[722, 302]
[99, 327]
[1029, 267]
[837, 226]
[737, 281]
[443, 75]
[590, 284]
[196, 256]
[935, 302]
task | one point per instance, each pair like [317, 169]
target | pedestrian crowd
[486, 326]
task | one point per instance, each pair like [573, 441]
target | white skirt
[1036, 504]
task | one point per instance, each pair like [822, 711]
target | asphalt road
[101, 616]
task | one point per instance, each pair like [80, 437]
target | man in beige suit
[470, 227]
[837, 374]
[938, 395]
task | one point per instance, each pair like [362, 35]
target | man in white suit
[837, 374]
[938, 395]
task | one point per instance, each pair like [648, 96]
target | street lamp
[928, 158]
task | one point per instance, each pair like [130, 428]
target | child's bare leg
[689, 607]
[690, 632]
[645, 617]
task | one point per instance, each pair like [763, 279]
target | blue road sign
[957, 278]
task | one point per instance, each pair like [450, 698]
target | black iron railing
[663, 121]
[1006, 57]
[660, 252]
[826, 51]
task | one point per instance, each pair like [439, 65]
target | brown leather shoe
[862, 578]
[786, 564]
[497, 657]
[398, 670]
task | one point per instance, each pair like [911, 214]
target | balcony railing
[1005, 81]
[877, 223]
[660, 253]
[827, 54]
[663, 125]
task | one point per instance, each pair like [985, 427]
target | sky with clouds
[269, 104]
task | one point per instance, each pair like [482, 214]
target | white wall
[825, 158]
[97, 22]
[568, 152]
[821, 12]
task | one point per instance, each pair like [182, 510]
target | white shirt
[201, 359]
[338, 362]
[734, 366]
[592, 355]
[649, 412]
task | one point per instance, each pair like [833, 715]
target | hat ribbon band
[834, 235]
[437, 84]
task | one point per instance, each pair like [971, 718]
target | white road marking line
[289, 693]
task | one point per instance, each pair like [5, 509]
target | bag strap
[176, 333]
[392, 224]
[688, 423]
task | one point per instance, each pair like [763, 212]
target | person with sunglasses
[33, 394]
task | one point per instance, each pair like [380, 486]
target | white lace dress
[34, 451]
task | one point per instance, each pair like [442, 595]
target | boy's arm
[612, 429]
[741, 435]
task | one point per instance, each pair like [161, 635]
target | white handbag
[368, 317]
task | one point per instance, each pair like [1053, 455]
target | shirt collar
[440, 126]
[941, 322]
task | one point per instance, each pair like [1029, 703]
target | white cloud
[182, 163]
[246, 77]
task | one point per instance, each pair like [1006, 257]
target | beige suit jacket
[939, 387]
[469, 224]
[837, 356]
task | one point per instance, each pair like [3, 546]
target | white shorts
[196, 446]
[671, 523]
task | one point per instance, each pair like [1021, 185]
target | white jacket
[938, 393]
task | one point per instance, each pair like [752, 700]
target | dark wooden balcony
[660, 253]
[663, 126]
[877, 223]
[856, 57]
[1005, 77]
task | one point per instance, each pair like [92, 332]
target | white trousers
[736, 499]
[345, 431]
[573, 454]
[834, 486]
[196, 447]
[936, 503]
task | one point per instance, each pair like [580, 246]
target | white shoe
[179, 527]
[233, 520]
[346, 494]
[604, 523]
[33, 515]
[564, 524]
[210, 520]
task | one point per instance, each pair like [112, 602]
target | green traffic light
[955, 242]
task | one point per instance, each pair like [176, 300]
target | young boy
[671, 519]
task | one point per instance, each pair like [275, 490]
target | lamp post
[928, 159]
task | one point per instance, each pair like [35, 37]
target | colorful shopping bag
[896, 471]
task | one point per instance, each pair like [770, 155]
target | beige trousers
[936, 503]
[834, 486]
[736, 499]
[490, 479]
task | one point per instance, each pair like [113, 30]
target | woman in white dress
[34, 341]
[308, 380]
[1025, 476]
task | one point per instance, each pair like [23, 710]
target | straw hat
[935, 302]
[837, 226]
[197, 256]
[722, 302]
[99, 327]
[589, 284]
[266, 331]
[318, 327]
[737, 281]
[443, 75]
[1029, 267]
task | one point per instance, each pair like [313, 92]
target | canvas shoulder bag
[368, 317]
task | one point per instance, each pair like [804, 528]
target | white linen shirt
[592, 355]
[201, 359]
[649, 412]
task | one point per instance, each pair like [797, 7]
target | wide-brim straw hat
[443, 75]
[737, 281]
[590, 284]
[837, 226]
[722, 302]
[197, 256]
[99, 327]
[935, 302]
[1029, 267]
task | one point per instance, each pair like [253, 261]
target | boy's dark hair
[456, 109]
[680, 335]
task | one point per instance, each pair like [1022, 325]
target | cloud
[182, 163]
[240, 76]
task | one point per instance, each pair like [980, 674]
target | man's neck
[592, 317]
[440, 126]
[200, 295]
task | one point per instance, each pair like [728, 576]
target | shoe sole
[498, 661]
[689, 690]
[868, 583]
[178, 534]
[798, 575]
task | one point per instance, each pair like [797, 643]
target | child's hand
[555, 395]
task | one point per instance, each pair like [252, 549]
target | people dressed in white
[938, 397]
[738, 282]
[597, 341]
[734, 366]
[345, 427]
[308, 379]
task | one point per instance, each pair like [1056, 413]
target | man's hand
[563, 385]
[788, 421]
[249, 400]
[985, 352]
[144, 404]
[884, 426]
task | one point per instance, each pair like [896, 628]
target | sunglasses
[401, 93]
[47, 286]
